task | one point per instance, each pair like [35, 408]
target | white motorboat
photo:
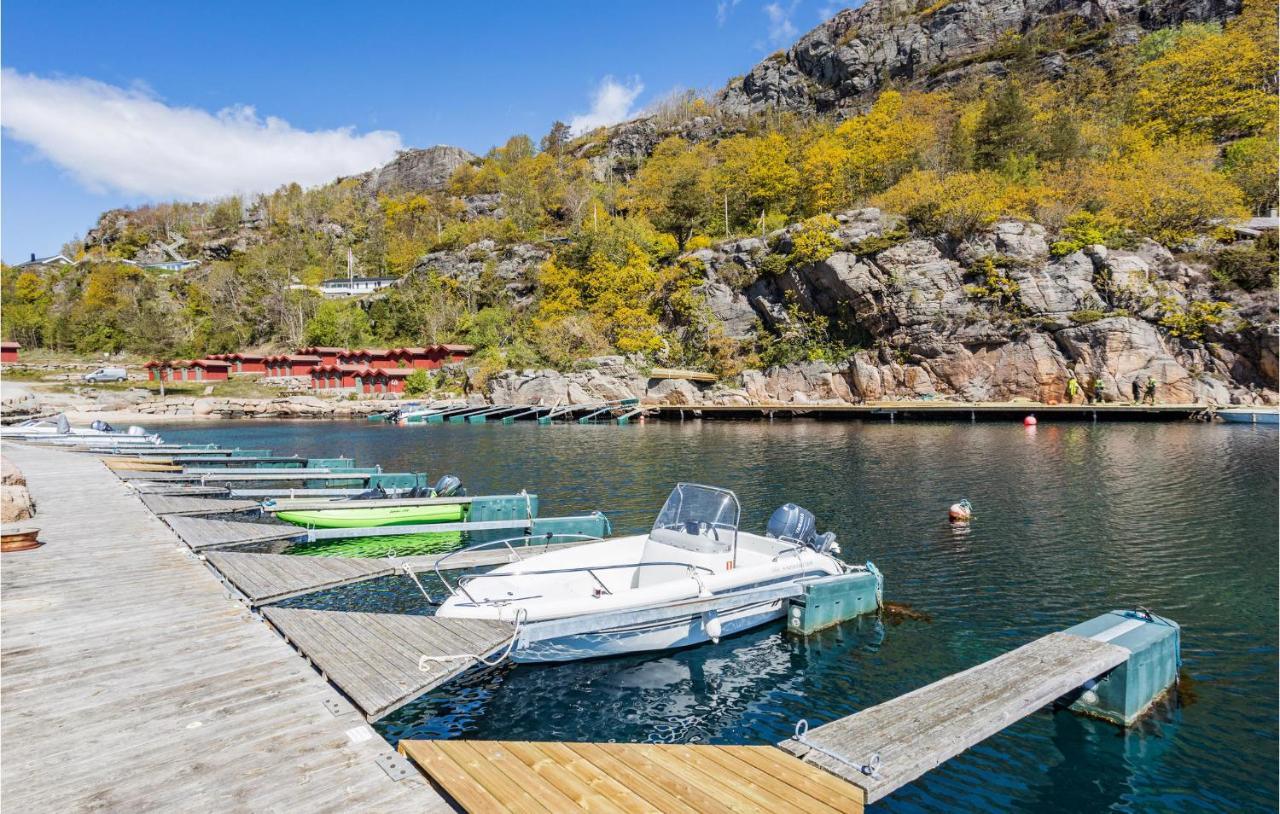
[59, 430]
[694, 577]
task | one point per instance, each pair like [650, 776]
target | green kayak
[354, 518]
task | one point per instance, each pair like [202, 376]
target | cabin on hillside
[376, 357]
[53, 260]
[353, 286]
[384, 380]
[328, 355]
[336, 377]
[9, 352]
[188, 370]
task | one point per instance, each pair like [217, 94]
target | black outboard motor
[796, 525]
[102, 426]
[446, 486]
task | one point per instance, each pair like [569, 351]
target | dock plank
[264, 578]
[182, 504]
[504, 776]
[199, 532]
[115, 641]
[178, 489]
[918, 731]
[373, 658]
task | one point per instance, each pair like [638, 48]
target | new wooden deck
[200, 532]
[181, 504]
[131, 682]
[916, 732]
[523, 776]
[374, 657]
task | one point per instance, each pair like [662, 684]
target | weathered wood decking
[200, 532]
[523, 776]
[178, 489]
[264, 578]
[374, 657]
[131, 683]
[181, 504]
[916, 732]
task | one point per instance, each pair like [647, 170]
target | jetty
[117, 640]
[933, 410]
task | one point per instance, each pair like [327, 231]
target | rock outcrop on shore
[15, 499]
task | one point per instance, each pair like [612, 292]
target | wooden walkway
[131, 683]
[916, 732]
[374, 657]
[178, 489]
[181, 504]
[523, 776]
[199, 532]
[266, 578]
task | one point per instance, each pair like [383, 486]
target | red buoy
[1029, 421]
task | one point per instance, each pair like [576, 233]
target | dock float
[147, 488]
[200, 532]
[883, 748]
[195, 505]
[501, 776]
[265, 578]
[382, 661]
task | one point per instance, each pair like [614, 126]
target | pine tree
[1005, 130]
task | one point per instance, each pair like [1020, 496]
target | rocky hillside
[842, 63]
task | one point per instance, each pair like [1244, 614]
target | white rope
[424, 659]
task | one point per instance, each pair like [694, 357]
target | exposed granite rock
[515, 265]
[15, 500]
[842, 63]
[1057, 290]
[420, 170]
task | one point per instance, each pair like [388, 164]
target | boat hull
[381, 516]
[1250, 416]
[668, 634]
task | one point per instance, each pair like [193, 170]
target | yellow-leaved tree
[756, 174]
[674, 189]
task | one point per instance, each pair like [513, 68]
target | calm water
[1071, 520]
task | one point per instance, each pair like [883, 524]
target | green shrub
[419, 383]
[1193, 321]
[1249, 268]
[1087, 229]
[813, 241]
[1087, 315]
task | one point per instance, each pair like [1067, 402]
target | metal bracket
[336, 707]
[396, 767]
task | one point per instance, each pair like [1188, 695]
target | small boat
[59, 429]
[1250, 415]
[374, 508]
[694, 551]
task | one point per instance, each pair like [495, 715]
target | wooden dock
[200, 532]
[934, 411]
[265, 578]
[916, 732]
[131, 682]
[375, 658]
[194, 505]
[523, 776]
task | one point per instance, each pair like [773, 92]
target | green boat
[354, 517]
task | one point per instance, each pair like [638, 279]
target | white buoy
[961, 512]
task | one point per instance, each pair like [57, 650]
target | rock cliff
[842, 63]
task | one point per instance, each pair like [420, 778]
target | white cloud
[723, 7]
[612, 102]
[128, 140]
[781, 30]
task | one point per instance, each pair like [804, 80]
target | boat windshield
[695, 509]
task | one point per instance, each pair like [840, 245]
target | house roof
[458, 348]
[10, 345]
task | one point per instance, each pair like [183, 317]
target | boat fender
[711, 624]
[1029, 421]
[960, 513]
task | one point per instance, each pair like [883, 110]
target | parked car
[106, 374]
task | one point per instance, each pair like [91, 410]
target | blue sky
[114, 104]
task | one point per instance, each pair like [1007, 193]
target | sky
[117, 104]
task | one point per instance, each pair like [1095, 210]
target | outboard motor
[135, 430]
[795, 524]
[446, 486]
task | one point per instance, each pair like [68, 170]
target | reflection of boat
[59, 429]
[373, 508]
[1250, 415]
[693, 552]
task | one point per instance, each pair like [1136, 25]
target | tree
[756, 173]
[674, 188]
[1005, 129]
[341, 323]
[553, 142]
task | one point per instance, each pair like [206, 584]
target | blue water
[1071, 520]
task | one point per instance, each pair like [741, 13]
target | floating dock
[934, 411]
[115, 641]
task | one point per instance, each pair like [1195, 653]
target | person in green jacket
[1150, 394]
[1073, 388]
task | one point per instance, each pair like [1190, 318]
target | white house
[349, 286]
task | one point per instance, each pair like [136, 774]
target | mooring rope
[521, 615]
